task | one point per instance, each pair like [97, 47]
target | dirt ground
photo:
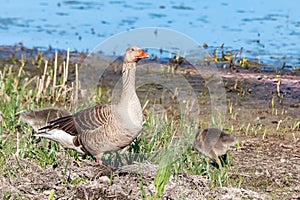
[102, 183]
[269, 164]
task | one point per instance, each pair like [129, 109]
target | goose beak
[142, 54]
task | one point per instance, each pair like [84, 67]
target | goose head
[133, 54]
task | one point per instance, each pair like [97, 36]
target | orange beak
[142, 54]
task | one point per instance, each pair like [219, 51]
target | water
[268, 32]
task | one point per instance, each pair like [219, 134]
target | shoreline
[19, 51]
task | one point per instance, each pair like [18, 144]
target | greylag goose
[39, 118]
[212, 142]
[103, 128]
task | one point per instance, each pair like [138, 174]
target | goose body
[103, 128]
[213, 142]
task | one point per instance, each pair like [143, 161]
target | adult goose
[103, 128]
[213, 142]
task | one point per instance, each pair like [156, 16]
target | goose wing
[86, 120]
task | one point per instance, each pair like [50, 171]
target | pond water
[268, 31]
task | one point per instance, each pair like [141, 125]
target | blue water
[268, 31]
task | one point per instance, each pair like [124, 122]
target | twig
[76, 84]
[278, 91]
[279, 122]
[67, 63]
[54, 75]
[20, 70]
[32, 79]
[41, 82]
[47, 85]
[18, 145]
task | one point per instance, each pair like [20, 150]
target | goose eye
[132, 49]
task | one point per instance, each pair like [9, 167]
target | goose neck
[128, 80]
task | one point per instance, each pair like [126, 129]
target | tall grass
[20, 92]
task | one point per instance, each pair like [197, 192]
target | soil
[104, 183]
[267, 158]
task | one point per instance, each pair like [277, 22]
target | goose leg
[98, 158]
[216, 158]
[99, 161]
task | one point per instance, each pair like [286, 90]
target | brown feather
[64, 123]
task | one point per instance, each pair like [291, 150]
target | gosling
[213, 143]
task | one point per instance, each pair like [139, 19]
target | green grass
[18, 93]
[166, 139]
